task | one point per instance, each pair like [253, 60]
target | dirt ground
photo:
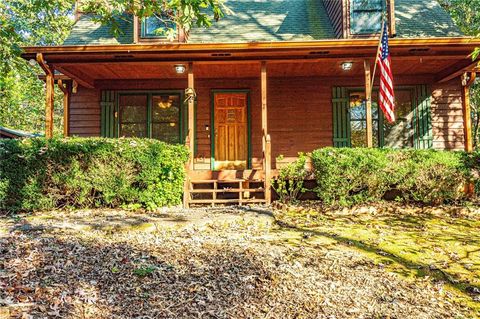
[203, 263]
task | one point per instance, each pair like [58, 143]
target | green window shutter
[341, 118]
[422, 119]
[108, 114]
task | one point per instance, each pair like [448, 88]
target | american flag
[386, 97]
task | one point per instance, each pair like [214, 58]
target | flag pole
[378, 52]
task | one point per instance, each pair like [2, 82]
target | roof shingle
[423, 18]
[278, 20]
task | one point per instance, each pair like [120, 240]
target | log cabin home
[276, 77]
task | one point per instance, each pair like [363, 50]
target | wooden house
[273, 78]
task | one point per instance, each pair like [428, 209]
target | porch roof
[441, 58]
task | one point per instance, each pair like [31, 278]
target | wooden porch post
[50, 95]
[191, 115]
[66, 89]
[266, 141]
[368, 97]
[467, 81]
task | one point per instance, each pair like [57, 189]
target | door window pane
[166, 118]
[133, 115]
[400, 133]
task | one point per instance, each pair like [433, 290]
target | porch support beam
[191, 114]
[50, 94]
[79, 77]
[368, 98]
[456, 70]
[66, 89]
[467, 80]
[266, 140]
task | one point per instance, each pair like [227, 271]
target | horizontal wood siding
[447, 115]
[335, 13]
[85, 113]
[300, 117]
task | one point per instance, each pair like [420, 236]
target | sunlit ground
[442, 244]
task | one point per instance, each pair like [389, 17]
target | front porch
[237, 109]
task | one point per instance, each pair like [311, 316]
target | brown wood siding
[335, 11]
[85, 113]
[299, 111]
[447, 115]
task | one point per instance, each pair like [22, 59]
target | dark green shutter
[108, 114]
[341, 118]
[422, 119]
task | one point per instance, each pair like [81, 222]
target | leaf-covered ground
[225, 263]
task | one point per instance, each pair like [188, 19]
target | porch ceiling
[87, 73]
[439, 58]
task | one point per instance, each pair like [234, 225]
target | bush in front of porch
[350, 176]
[41, 174]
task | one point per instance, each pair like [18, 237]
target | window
[400, 133]
[396, 135]
[366, 16]
[166, 118]
[133, 115]
[358, 119]
[150, 115]
[156, 26]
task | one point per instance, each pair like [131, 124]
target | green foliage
[475, 109]
[40, 174]
[144, 271]
[48, 22]
[466, 15]
[353, 176]
[289, 183]
[28, 23]
[184, 13]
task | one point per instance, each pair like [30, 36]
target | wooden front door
[231, 130]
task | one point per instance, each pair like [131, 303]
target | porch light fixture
[180, 68]
[347, 66]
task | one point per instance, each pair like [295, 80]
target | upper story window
[157, 26]
[366, 16]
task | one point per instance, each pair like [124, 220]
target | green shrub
[289, 183]
[40, 174]
[350, 176]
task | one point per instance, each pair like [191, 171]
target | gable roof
[88, 32]
[277, 20]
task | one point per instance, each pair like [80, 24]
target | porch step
[213, 192]
[226, 190]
